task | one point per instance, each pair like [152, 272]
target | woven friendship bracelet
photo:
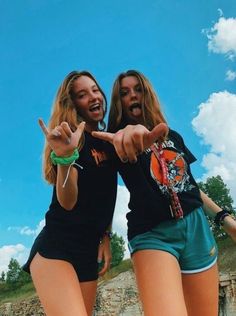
[57, 160]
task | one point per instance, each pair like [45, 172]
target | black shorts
[82, 255]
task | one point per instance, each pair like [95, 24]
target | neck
[90, 127]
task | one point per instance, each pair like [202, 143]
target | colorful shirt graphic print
[177, 167]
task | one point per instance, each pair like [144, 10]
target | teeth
[95, 107]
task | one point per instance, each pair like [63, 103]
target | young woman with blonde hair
[173, 250]
[64, 258]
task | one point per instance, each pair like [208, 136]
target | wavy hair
[64, 110]
[151, 110]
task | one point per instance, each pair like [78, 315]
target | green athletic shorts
[189, 239]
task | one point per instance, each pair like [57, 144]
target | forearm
[67, 193]
[209, 206]
[211, 209]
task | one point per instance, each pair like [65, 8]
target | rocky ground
[117, 297]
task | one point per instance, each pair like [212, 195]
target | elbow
[67, 205]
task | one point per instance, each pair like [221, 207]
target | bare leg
[201, 292]
[57, 286]
[159, 282]
[88, 290]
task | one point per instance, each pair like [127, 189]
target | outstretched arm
[63, 142]
[133, 139]
[211, 209]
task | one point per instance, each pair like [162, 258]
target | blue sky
[186, 48]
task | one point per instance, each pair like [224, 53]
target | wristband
[64, 161]
[108, 233]
[220, 216]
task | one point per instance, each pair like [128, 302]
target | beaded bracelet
[220, 216]
[64, 161]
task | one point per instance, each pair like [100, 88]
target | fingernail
[124, 160]
[133, 161]
[68, 141]
[99, 260]
[56, 133]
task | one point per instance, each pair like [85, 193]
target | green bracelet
[64, 161]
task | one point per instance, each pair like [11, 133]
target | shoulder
[175, 135]
[179, 142]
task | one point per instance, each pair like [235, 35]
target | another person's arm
[211, 209]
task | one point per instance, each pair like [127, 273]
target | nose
[92, 96]
[133, 94]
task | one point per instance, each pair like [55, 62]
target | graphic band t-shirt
[149, 199]
[97, 185]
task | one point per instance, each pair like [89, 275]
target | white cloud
[121, 209]
[18, 252]
[215, 124]
[222, 37]
[39, 227]
[220, 12]
[230, 75]
[26, 230]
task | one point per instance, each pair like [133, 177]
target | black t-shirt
[149, 200]
[97, 185]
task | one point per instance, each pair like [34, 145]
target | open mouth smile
[95, 107]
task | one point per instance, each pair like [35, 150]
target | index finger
[104, 136]
[43, 127]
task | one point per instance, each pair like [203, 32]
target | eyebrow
[138, 84]
[84, 90]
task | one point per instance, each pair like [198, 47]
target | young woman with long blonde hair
[64, 258]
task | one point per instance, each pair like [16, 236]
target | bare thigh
[159, 282]
[201, 292]
[57, 286]
[88, 290]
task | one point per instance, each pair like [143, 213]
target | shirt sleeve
[190, 158]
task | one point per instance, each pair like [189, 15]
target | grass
[21, 293]
[227, 255]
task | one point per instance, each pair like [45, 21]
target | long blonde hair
[151, 110]
[64, 110]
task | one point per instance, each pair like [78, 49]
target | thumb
[104, 136]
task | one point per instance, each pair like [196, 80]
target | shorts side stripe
[199, 270]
